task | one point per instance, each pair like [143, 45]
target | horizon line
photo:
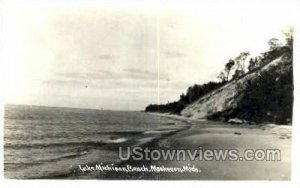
[86, 108]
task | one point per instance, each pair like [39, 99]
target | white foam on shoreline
[116, 141]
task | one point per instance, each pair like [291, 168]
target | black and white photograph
[148, 90]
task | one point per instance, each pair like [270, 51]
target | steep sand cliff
[225, 101]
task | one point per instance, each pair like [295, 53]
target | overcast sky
[110, 55]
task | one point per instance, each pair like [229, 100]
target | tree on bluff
[228, 67]
[240, 65]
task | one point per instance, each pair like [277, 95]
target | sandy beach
[214, 135]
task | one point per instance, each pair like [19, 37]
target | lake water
[45, 142]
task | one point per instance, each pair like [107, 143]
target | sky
[119, 55]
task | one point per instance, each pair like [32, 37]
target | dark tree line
[193, 93]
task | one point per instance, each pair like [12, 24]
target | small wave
[120, 132]
[158, 131]
[116, 141]
[63, 144]
[170, 123]
[67, 144]
[52, 159]
[64, 156]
